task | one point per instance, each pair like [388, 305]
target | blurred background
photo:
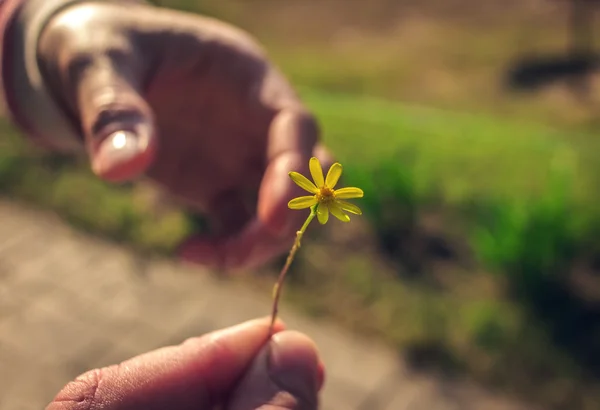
[473, 127]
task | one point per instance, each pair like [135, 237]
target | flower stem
[279, 284]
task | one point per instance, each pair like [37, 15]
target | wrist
[31, 104]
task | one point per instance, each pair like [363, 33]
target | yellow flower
[327, 199]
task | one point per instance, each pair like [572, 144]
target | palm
[213, 124]
[206, 153]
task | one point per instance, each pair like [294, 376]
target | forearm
[27, 100]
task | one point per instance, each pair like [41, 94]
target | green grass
[465, 156]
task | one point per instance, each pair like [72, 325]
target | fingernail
[123, 155]
[293, 364]
[117, 148]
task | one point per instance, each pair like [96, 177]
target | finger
[252, 248]
[202, 250]
[117, 122]
[249, 249]
[285, 375]
[227, 217]
[229, 213]
[292, 138]
[194, 375]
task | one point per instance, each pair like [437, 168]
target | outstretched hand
[237, 368]
[194, 104]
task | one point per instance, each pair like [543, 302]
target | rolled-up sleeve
[26, 99]
[24, 95]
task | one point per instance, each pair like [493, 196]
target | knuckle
[294, 129]
[308, 126]
[82, 58]
[80, 36]
[80, 394]
[303, 116]
[70, 29]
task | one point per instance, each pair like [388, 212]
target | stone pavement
[70, 302]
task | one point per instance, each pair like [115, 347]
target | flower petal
[302, 202]
[349, 193]
[303, 182]
[323, 213]
[333, 175]
[338, 213]
[347, 206]
[316, 171]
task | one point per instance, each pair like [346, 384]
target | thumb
[117, 122]
[287, 374]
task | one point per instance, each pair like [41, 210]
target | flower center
[325, 195]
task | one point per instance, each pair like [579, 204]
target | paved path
[70, 302]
